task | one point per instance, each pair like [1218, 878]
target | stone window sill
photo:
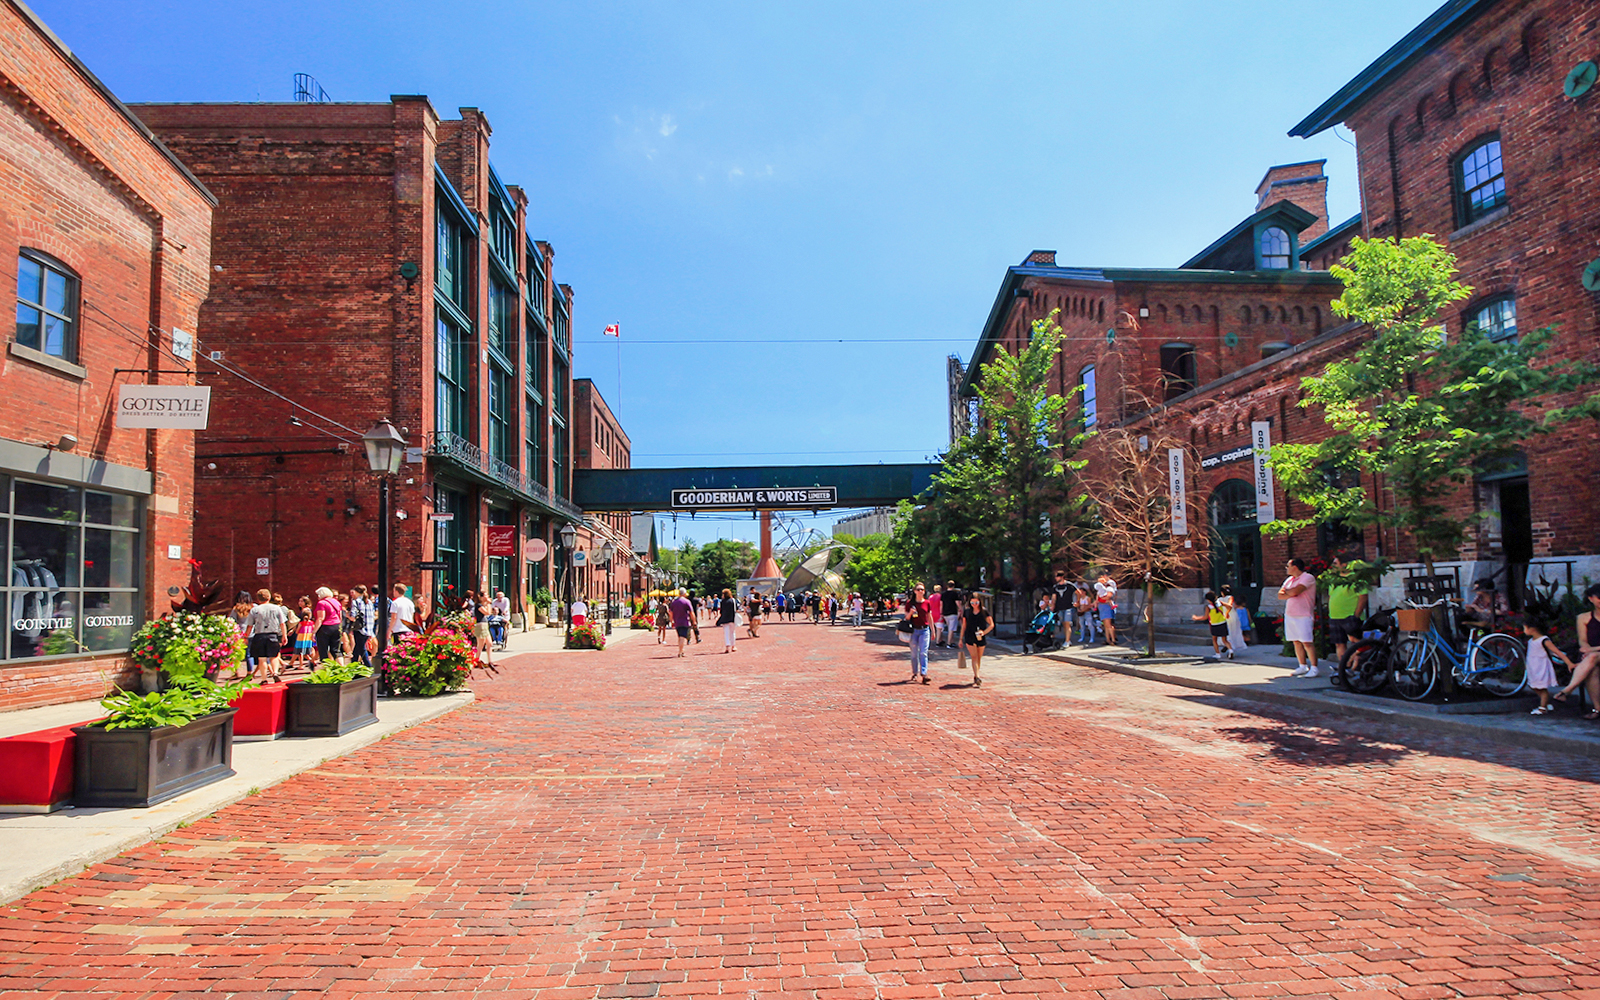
[49, 361]
[1498, 215]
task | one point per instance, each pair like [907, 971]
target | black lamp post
[569, 538]
[385, 449]
[607, 552]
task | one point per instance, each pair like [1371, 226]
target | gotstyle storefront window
[72, 572]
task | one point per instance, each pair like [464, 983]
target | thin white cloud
[669, 125]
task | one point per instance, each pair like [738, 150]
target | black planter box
[332, 709]
[140, 767]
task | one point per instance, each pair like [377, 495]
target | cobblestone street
[798, 820]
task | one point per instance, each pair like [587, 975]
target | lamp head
[385, 448]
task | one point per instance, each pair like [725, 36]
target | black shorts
[1341, 630]
[1220, 630]
[265, 645]
[683, 631]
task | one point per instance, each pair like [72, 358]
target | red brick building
[1479, 128]
[107, 237]
[602, 444]
[1215, 341]
[371, 264]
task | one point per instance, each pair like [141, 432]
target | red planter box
[36, 770]
[263, 713]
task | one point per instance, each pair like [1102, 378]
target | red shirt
[919, 613]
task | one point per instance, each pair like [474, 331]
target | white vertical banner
[1261, 443]
[1179, 491]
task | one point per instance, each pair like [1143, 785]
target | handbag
[904, 626]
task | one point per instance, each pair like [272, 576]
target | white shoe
[1300, 671]
[1313, 671]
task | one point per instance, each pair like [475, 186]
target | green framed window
[1276, 249]
[533, 441]
[450, 378]
[500, 430]
[1497, 318]
[47, 306]
[450, 258]
[451, 540]
[503, 319]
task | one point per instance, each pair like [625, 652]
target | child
[1235, 621]
[1541, 672]
[305, 638]
[1216, 615]
[1083, 607]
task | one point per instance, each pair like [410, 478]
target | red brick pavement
[796, 820]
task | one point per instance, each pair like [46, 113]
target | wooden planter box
[332, 709]
[140, 767]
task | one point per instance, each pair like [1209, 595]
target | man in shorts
[1063, 594]
[683, 619]
[950, 614]
[1347, 608]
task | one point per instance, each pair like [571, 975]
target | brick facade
[1498, 71]
[602, 444]
[83, 185]
[359, 250]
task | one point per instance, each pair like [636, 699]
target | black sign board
[1238, 454]
[776, 498]
[433, 565]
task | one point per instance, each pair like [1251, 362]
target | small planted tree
[1006, 486]
[1128, 487]
[1418, 408]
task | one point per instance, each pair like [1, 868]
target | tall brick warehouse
[108, 237]
[371, 264]
[1470, 129]
[602, 444]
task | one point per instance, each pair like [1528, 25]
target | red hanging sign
[502, 540]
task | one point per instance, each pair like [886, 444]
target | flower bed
[586, 637]
[431, 664]
[642, 622]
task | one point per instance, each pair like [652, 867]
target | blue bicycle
[1492, 662]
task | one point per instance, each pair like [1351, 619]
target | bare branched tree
[1127, 481]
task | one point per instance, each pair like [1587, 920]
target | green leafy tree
[878, 566]
[1005, 488]
[1422, 411]
[722, 563]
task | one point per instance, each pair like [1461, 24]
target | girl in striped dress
[305, 638]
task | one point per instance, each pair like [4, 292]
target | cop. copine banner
[1261, 442]
[177, 407]
[1179, 491]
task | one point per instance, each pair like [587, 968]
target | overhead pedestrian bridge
[754, 487]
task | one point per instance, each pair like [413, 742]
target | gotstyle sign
[766, 499]
[177, 407]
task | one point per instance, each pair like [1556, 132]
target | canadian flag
[614, 330]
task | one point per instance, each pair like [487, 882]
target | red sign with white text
[502, 540]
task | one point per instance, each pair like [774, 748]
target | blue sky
[743, 186]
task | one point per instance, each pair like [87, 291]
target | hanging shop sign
[176, 407]
[1179, 491]
[1228, 457]
[580, 557]
[500, 540]
[779, 498]
[535, 549]
[1261, 445]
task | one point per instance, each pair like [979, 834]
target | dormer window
[1275, 249]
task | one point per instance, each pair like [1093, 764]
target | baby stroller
[1040, 634]
[497, 632]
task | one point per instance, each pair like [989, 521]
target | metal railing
[444, 444]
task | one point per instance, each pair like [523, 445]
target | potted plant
[151, 747]
[335, 699]
[429, 664]
[642, 620]
[185, 644]
[540, 602]
[585, 636]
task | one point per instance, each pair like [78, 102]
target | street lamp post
[385, 448]
[607, 551]
[569, 538]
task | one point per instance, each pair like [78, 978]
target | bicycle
[1492, 662]
[1367, 662]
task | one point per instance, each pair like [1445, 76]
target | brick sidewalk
[798, 820]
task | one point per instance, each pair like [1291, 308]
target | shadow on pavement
[1318, 747]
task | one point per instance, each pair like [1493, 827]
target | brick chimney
[1302, 183]
[1047, 257]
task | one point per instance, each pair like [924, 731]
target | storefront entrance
[1236, 542]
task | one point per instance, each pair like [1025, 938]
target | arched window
[47, 306]
[1234, 502]
[1497, 318]
[1274, 249]
[1177, 369]
[1091, 414]
[1480, 180]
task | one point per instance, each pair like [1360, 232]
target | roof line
[116, 102]
[1284, 207]
[1332, 233]
[1437, 27]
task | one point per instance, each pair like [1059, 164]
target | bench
[36, 770]
[263, 713]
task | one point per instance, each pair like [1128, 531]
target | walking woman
[663, 619]
[727, 617]
[916, 610]
[753, 615]
[480, 630]
[976, 624]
